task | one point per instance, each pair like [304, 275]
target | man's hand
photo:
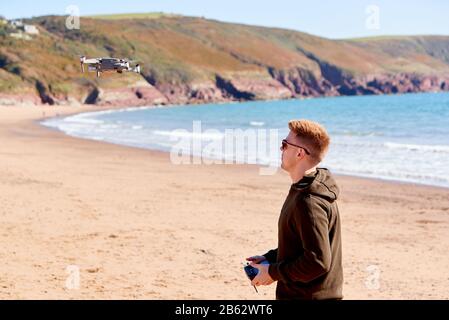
[263, 277]
[256, 259]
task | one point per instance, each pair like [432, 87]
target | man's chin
[283, 167]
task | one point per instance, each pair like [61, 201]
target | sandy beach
[138, 226]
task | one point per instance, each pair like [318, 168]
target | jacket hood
[320, 183]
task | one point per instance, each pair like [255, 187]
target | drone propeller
[82, 60]
[131, 60]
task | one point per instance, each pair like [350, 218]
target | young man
[308, 262]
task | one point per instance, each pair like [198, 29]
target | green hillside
[179, 54]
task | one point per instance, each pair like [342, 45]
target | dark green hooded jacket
[308, 261]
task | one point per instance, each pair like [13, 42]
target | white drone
[100, 65]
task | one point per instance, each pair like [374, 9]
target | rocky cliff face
[18, 99]
[284, 84]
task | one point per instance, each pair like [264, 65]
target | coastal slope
[196, 60]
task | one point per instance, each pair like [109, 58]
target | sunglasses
[285, 143]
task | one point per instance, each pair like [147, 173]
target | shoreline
[139, 227]
[105, 109]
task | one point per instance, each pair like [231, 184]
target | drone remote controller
[251, 273]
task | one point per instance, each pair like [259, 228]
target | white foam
[417, 147]
[82, 120]
[257, 123]
[109, 126]
[187, 134]
[350, 133]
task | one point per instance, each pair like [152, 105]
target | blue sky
[332, 19]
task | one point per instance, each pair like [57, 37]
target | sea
[395, 137]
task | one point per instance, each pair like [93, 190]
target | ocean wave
[350, 133]
[417, 147]
[131, 109]
[184, 133]
[85, 120]
[99, 138]
[109, 126]
[257, 123]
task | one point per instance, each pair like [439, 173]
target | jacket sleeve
[312, 226]
[271, 255]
